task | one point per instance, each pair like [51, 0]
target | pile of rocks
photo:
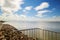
[8, 32]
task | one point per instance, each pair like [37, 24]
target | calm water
[53, 26]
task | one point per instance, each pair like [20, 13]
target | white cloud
[13, 17]
[55, 18]
[9, 7]
[28, 8]
[25, 11]
[40, 13]
[51, 19]
[1, 2]
[42, 6]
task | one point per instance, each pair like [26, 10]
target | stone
[8, 32]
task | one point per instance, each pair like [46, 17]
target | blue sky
[54, 6]
[30, 10]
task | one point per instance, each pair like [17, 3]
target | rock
[8, 32]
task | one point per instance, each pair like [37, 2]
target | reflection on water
[53, 26]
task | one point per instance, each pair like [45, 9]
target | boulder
[9, 32]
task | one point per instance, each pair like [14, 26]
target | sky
[30, 10]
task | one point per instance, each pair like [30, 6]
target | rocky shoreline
[8, 32]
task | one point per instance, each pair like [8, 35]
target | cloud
[40, 13]
[1, 2]
[42, 6]
[50, 19]
[55, 18]
[13, 17]
[28, 8]
[9, 7]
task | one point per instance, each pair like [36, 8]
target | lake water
[53, 26]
